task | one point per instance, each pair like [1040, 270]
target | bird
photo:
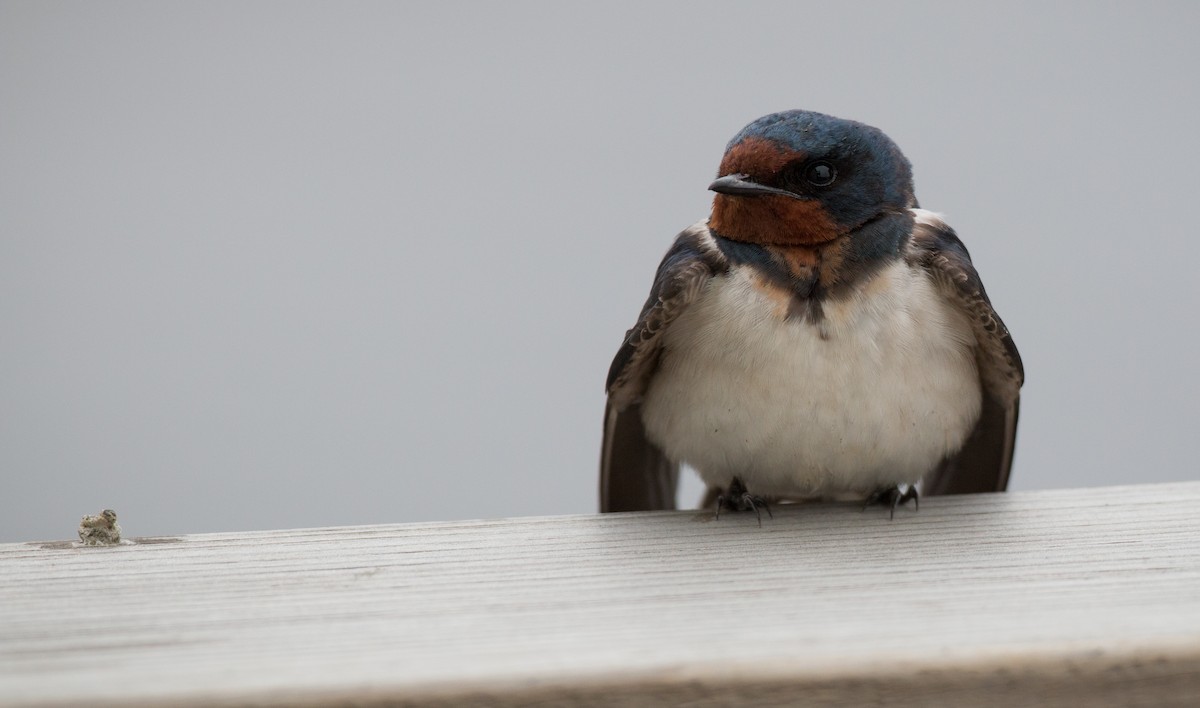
[819, 336]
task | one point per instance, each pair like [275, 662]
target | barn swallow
[819, 336]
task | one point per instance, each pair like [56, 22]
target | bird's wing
[983, 464]
[635, 474]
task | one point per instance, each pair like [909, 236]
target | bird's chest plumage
[877, 392]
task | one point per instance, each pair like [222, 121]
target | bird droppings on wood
[100, 530]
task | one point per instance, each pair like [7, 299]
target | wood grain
[1079, 597]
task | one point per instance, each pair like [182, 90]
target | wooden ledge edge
[1138, 676]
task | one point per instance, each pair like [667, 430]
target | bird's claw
[739, 499]
[892, 497]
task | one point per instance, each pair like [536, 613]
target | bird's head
[799, 178]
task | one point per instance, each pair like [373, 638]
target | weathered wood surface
[1086, 597]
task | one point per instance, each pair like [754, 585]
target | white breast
[888, 392]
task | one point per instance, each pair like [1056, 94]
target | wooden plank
[1082, 597]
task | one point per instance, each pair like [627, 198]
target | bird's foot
[892, 497]
[737, 498]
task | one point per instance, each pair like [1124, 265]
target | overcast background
[281, 265]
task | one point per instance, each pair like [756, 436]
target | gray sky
[279, 265]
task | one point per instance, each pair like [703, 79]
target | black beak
[741, 186]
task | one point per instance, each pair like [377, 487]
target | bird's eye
[820, 173]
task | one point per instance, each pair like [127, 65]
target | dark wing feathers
[635, 475]
[984, 462]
